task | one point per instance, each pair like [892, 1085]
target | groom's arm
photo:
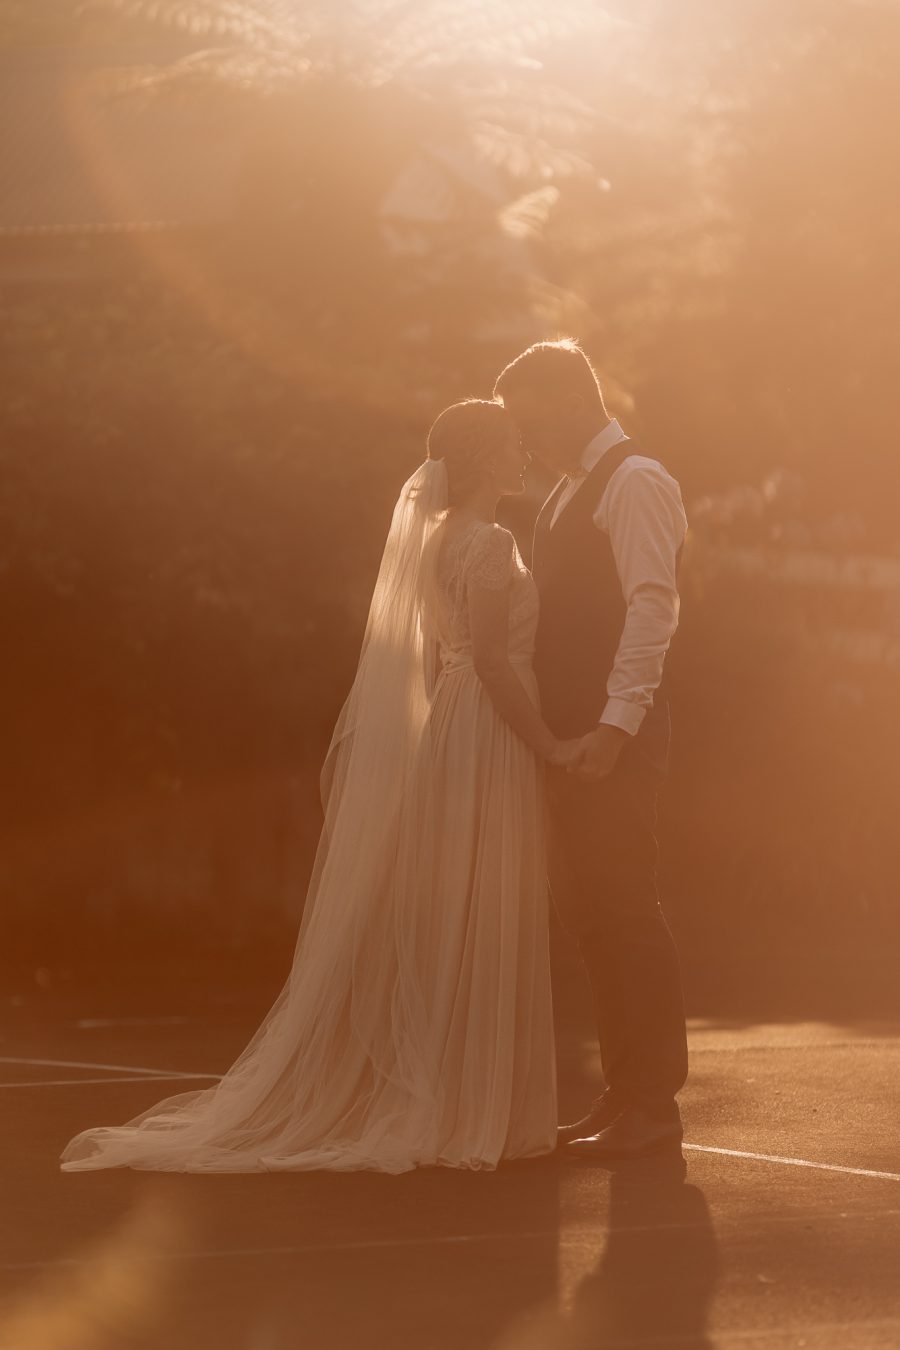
[643, 515]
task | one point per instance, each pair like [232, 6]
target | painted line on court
[588, 1050]
[382, 1244]
[890, 1041]
[136, 1078]
[794, 1162]
[113, 1068]
[302, 1250]
[789, 1337]
[90, 1022]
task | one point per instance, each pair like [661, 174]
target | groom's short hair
[550, 367]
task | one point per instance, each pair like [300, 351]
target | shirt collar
[597, 447]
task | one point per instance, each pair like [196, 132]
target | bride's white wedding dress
[415, 1027]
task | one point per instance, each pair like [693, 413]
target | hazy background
[249, 250]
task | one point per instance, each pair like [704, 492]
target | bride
[415, 1027]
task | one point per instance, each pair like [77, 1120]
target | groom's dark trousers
[602, 856]
[602, 834]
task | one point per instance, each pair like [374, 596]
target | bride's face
[511, 463]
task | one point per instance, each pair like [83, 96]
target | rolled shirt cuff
[619, 712]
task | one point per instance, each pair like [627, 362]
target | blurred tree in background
[249, 250]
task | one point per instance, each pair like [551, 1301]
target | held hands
[565, 753]
[591, 757]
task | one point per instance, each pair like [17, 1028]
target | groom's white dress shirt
[642, 513]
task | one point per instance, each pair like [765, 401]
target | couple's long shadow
[537, 1256]
[657, 1268]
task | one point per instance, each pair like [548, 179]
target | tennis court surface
[780, 1227]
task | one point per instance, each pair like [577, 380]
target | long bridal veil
[340, 1074]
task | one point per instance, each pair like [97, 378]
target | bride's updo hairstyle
[467, 436]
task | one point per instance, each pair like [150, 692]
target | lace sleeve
[489, 565]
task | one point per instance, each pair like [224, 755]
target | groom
[606, 549]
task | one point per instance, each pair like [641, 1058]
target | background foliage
[204, 428]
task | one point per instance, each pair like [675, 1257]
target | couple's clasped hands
[593, 756]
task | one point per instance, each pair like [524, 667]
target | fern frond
[248, 22]
[526, 217]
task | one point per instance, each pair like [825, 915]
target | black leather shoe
[632, 1134]
[603, 1112]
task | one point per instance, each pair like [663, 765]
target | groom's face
[542, 421]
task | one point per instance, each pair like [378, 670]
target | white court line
[794, 1045]
[329, 1247]
[130, 1022]
[787, 1336]
[575, 1239]
[113, 1068]
[305, 1249]
[139, 1078]
[794, 1162]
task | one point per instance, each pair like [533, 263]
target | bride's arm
[489, 627]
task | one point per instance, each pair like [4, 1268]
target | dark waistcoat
[582, 615]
